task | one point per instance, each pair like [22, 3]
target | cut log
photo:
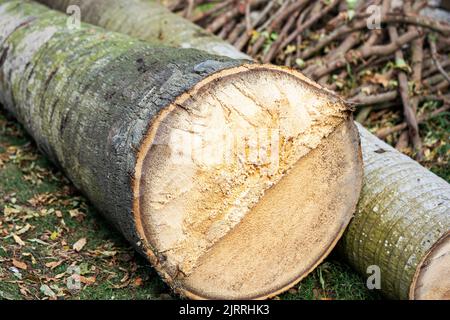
[402, 225]
[234, 179]
[396, 283]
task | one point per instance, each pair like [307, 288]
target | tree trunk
[149, 21]
[395, 199]
[234, 179]
[401, 224]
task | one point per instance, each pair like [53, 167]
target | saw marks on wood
[225, 202]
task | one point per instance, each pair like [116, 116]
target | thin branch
[434, 56]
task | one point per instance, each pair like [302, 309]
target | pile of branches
[399, 63]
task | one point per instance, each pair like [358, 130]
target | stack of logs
[117, 114]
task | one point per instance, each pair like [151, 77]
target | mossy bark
[148, 20]
[88, 97]
[403, 211]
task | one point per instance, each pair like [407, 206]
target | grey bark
[148, 20]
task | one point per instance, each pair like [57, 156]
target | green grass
[33, 192]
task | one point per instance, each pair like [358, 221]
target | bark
[150, 22]
[104, 107]
[402, 213]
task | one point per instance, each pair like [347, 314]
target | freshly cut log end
[245, 183]
[432, 279]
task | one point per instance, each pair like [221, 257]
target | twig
[365, 52]
[274, 47]
[384, 132]
[245, 37]
[435, 58]
[373, 99]
[189, 9]
[408, 110]
[211, 11]
[308, 23]
[433, 69]
[285, 10]
[248, 21]
[222, 19]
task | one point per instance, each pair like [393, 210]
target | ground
[48, 230]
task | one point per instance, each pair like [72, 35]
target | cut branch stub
[234, 179]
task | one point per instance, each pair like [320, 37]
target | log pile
[382, 225]
[234, 179]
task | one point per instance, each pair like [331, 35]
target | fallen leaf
[137, 282]
[19, 264]
[121, 286]
[38, 241]
[382, 79]
[9, 210]
[87, 280]
[54, 235]
[18, 240]
[45, 289]
[24, 291]
[79, 245]
[77, 214]
[52, 265]
[24, 229]
[28, 254]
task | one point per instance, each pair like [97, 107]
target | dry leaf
[75, 213]
[78, 246]
[8, 211]
[19, 264]
[54, 235]
[137, 282]
[87, 280]
[24, 229]
[52, 265]
[18, 240]
[382, 79]
[45, 289]
[121, 286]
